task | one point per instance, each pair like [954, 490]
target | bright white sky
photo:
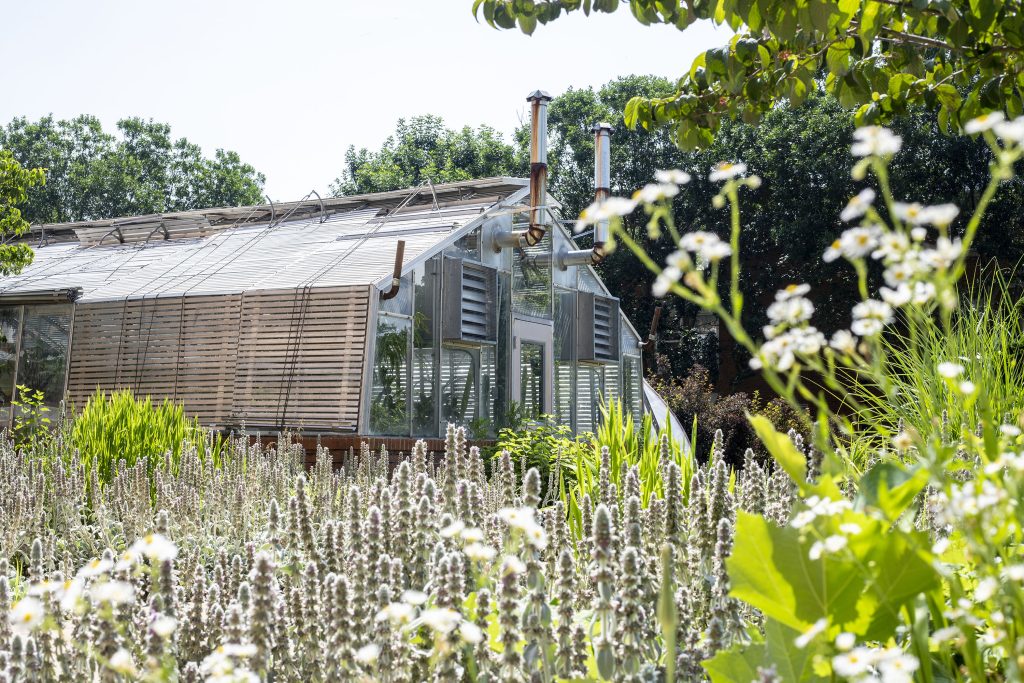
[290, 84]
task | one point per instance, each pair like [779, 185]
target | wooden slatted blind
[270, 358]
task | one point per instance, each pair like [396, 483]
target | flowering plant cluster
[390, 569]
[902, 558]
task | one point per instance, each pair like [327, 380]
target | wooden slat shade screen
[264, 358]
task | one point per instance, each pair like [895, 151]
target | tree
[15, 182]
[802, 156]
[960, 58]
[93, 174]
[424, 149]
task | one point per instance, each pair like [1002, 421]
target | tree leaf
[781, 448]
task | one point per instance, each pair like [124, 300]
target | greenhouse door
[532, 361]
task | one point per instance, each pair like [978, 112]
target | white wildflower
[950, 370]
[95, 567]
[967, 387]
[947, 634]
[726, 170]
[898, 668]
[479, 552]
[707, 245]
[792, 291]
[803, 518]
[113, 593]
[832, 253]
[804, 639]
[902, 441]
[414, 598]
[858, 205]
[986, 588]
[901, 272]
[923, 293]
[940, 215]
[453, 529]
[790, 311]
[518, 518]
[156, 547]
[845, 641]
[26, 615]
[919, 233]
[72, 594]
[164, 626]
[664, 281]
[655, 192]
[832, 544]
[850, 529]
[536, 537]
[856, 662]
[440, 619]
[844, 342]
[512, 565]
[1009, 430]
[891, 246]
[857, 243]
[984, 122]
[1011, 131]
[472, 535]
[945, 253]
[398, 613]
[896, 297]
[1015, 572]
[875, 141]
[122, 663]
[672, 175]
[604, 210]
[367, 655]
[470, 632]
[869, 317]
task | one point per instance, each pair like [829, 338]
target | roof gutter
[396, 278]
[61, 295]
[538, 179]
[602, 190]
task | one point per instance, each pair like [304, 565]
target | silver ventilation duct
[602, 190]
[538, 178]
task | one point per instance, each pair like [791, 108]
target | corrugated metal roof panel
[355, 247]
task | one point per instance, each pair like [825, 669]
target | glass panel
[588, 387]
[531, 379]
[389, 409]
[459, 371]
[565, 347]
[632, 386]
[488, 388]
[531, 280]
[611, 383]
[467, 246]
[401, 303]
[630, 343]
[503, 353]
[567, 277]
[9, 323]
[44, 350]
[426, 278]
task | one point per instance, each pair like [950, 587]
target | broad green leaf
[890, 488]
[771, 570]
[738, 663]
[781, 448]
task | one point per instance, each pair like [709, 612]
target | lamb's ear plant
[901, 558]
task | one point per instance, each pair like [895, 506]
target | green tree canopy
[15, 182]
[422, 149]
[93, 174]
[959, 58]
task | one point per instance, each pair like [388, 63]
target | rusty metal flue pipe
[602, 190]
[538, 178]
[396, 278]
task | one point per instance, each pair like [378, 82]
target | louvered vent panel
[475, 313]
[597, 332]
[469, 289]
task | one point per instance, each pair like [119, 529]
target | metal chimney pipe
[538, 100]
[396, 279]
[602, 182]
[538, 166]
[602, 190]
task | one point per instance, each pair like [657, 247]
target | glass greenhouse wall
[446, 349]
[34, 342]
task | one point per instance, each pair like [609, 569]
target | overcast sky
[290, 84]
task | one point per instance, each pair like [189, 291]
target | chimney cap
[539, 95]
[602, 125]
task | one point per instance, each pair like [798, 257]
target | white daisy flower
[518, 518]
[156, 547]
[707, 245]
[512, 565]
[121, 662]
[604, 210]
[950, 370]
[844, 342]
[164, 626]
[726, 170]
[919, 233]
[655, 192]
[95, 567]
[891, 245]
[536, 537]
[869, 317]
[1011, 131]
[398, 613]
[790, 311]
[896, 297]
[967, 387]
[845, 641]
[26, 615]
[923, 293]
[472, 535]
[470, 632]
[664, 281]
[791, 291]
[672, 175]
[414, 598]
[854, 663]
[858, 242]
[984, 122]
[453, 529]
[440, 619]
[832, 253]
[940, 215]
[946, 251]
[804, 639]
[479, 552]
[902, 441]
[367, 655]
[858, 205]
[113, 593]
[875, 141]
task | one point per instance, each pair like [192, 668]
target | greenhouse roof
[308, 244]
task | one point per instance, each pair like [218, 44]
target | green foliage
[544, 444]
[959, 57]
[92, 174]
[15, 182]
[121, 427]
[423, 149]
[31, 424]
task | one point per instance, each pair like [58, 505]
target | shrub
[123, 428]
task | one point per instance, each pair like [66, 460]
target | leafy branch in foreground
[961, 57]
